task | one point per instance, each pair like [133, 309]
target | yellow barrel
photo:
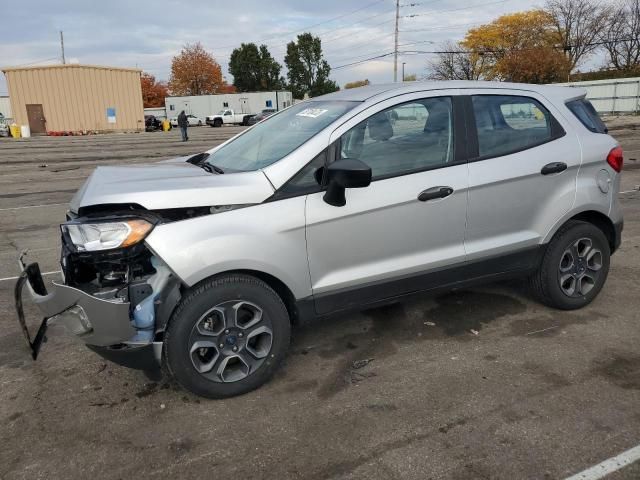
[166, 125]
[15, 130]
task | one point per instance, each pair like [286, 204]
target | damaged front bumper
[104, 325]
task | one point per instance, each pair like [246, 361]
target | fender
[241, 239]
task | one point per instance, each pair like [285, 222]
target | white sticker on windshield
[311, 112]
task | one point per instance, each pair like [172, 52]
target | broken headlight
[91, 237]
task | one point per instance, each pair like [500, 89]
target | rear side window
[508, 124]
[584, 111]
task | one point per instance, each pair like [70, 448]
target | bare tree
[622, 36]
[455, 63]
[578, 23]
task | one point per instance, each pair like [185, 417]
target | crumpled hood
[170, 184]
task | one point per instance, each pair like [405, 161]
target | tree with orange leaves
[153, 92]
[519, 47]
[194, 71]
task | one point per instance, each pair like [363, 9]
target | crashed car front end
[116, 296]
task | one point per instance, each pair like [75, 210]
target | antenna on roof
[62, 47]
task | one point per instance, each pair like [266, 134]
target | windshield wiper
[211, 168]
[215, 168]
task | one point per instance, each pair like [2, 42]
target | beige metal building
[76, 98]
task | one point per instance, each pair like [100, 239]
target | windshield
[278, 136]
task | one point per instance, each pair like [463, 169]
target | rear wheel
[574, 267]
[199, 123]
[227, 337]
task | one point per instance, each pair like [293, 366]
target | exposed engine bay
[130, 274]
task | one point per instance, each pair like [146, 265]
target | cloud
[147, 34]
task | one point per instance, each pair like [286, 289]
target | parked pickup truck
[228, 117]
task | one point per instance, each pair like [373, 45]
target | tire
[225, 313]
[217, 123]
[574, 267]
[199, 123]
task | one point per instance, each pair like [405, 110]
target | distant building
[75, 98]
[249, 102]
[5, 107]
[159, 112]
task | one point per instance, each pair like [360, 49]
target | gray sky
[147, 34]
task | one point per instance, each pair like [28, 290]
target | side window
[304, 181]
[584, 111]
[225, 104]
[507, 124]
[412, 136]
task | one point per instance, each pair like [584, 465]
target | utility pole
[395, 50]
[62, 47]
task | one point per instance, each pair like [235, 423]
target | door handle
[553, 167]
[434, 192]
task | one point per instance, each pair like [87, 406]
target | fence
[621, 95]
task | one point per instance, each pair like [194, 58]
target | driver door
[390, 237]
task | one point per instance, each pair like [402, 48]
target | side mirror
[343, 174]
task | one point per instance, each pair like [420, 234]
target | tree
[578, 24]
[308, 71]
[226, 88]
[621, 36]
[153, 92]
[195, 72]
[520, 47]
[357, 83]
[454, 62]
[254, 69]
[536, 65]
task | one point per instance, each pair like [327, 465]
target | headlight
[91, 237]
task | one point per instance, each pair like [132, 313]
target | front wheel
[574, 267]
[227, 337]
[217, 123]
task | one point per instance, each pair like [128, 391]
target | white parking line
[33, 206]
[609, 466]
[6, 279]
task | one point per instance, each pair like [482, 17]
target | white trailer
[5, 107]
[249, 103]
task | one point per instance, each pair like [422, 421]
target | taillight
[615, 159]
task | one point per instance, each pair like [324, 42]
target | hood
[170, 184]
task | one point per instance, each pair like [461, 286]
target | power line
[479, 52]
[36, 62]
[362, 61]
[455, 9]
[444, 27]
[308, 27]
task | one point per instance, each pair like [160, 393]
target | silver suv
[352, 199]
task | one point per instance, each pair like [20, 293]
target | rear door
[522, 177]
[391, 236]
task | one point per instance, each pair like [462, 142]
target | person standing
[183, 123]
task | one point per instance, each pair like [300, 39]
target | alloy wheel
[579, 268]
[230, 341]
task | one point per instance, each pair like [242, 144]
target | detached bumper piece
[32, 275]
[97, 322]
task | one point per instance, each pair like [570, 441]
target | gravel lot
[536, 394]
